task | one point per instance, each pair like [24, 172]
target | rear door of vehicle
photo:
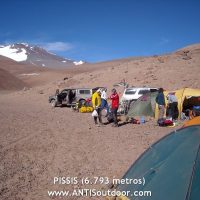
[84, 93]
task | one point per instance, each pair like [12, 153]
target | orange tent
[194, 121]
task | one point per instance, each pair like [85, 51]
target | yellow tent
[183, 95]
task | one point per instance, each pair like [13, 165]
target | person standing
[96, 103]
[114, 106]
[160, 100]
[172, 106]
[104, 103]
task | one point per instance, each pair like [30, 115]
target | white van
[132, 94]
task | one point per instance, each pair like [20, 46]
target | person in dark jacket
[114, 106]
[160, 100]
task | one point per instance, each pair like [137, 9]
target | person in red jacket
[114, 106]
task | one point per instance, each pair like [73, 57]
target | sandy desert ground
[38, 142]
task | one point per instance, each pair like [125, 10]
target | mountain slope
[171, 71]
[17, 68]
[29, 74]
[34, 55]
[9, 81]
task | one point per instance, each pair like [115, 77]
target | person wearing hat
[114, 106]
[96, 103]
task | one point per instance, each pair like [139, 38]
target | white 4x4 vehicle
[132, 94]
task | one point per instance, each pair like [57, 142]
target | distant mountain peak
[35, 55]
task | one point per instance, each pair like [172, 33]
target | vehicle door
[62, 96]
[84, 94]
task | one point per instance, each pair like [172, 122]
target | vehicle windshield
[84, 91]
[143, 91]
[64, 91]
[130, 91]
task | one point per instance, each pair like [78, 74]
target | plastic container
[142, 120]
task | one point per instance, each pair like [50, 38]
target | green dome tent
[144, 106]
[170, 168]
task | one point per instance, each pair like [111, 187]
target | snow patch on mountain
[78, 62]
[13, 53]
[25, 44]
[30, 74]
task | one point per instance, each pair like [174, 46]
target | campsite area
[44, 143]
[38, 142]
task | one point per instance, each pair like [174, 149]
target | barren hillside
[9, 81]
[172, 71]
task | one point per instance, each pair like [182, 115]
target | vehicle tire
[53, 103]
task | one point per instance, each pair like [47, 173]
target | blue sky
[98, 30]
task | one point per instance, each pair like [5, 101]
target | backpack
[110, 117]
[165, 122]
